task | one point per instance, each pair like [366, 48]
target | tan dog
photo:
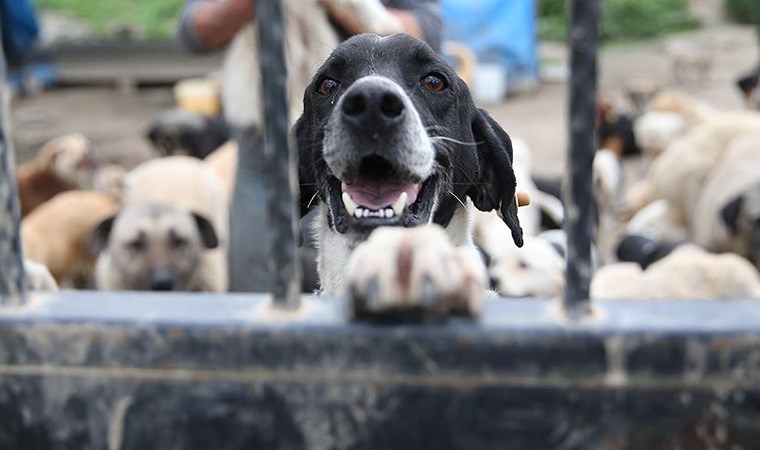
[55, 234]
[109, 179]
[189, 185]
[156, 247]
[224, 163]
[727, 215]
[688, 272]
[679, 174]
[63, 164]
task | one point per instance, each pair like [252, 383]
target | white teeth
[349, 203]
[343, 187]
[400, 204]
[385, 213]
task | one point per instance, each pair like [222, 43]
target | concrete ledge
[141, 371]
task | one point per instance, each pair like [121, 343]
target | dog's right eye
[434, 82]
[328, 86]
[136, 245]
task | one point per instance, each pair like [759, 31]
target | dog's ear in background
[206, 230]
[747, 84]
[176, 131]
[98, 238]
[730, 214]
[495, 187]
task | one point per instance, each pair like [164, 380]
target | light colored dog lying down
[727, 215]
[535, 270]
[162, 198]
[688, 272]
[680, 173]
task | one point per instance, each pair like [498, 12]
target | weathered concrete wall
[82, 371]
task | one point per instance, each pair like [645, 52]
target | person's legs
[249, 224]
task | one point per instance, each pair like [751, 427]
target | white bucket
[489, 83]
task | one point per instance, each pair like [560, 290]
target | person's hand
[362, 16]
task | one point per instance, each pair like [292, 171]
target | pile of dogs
[688, 228]
[159, 226]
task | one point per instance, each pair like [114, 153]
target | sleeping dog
[390, 137]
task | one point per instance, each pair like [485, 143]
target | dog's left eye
[328, 86]
[434, 82]
[177, 241]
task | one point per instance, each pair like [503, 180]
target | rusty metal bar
[280, 156]
[11, 257]
[583, 36]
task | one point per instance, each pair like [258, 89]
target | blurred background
[109, 76]
[103, 68]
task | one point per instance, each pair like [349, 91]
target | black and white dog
[390, 137]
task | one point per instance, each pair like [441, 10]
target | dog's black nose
[373, 106]
[161, 280]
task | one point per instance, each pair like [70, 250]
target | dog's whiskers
[312, 200]
[457, 198]
[455, 141]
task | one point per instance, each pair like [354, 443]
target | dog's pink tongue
[377, 194]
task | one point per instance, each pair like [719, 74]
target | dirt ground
[115, 121]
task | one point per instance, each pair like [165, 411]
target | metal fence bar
[280, 155]
[583, 36]
[11, 259]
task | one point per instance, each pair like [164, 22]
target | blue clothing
[20, 29]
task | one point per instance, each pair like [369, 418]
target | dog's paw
[415, 270]
[38, 277]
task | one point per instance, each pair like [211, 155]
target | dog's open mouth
[378, 195]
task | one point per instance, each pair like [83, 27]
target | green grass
[623, 19]
[744, 11]
[155, 18]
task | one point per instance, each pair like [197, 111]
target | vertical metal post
[583, 36]
[11, 259]
[280, 155]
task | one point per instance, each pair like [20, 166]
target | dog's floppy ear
[307, 185]
[206, 229]
[496, 184]
[748, 83]
[98, 238]
[730, 213]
